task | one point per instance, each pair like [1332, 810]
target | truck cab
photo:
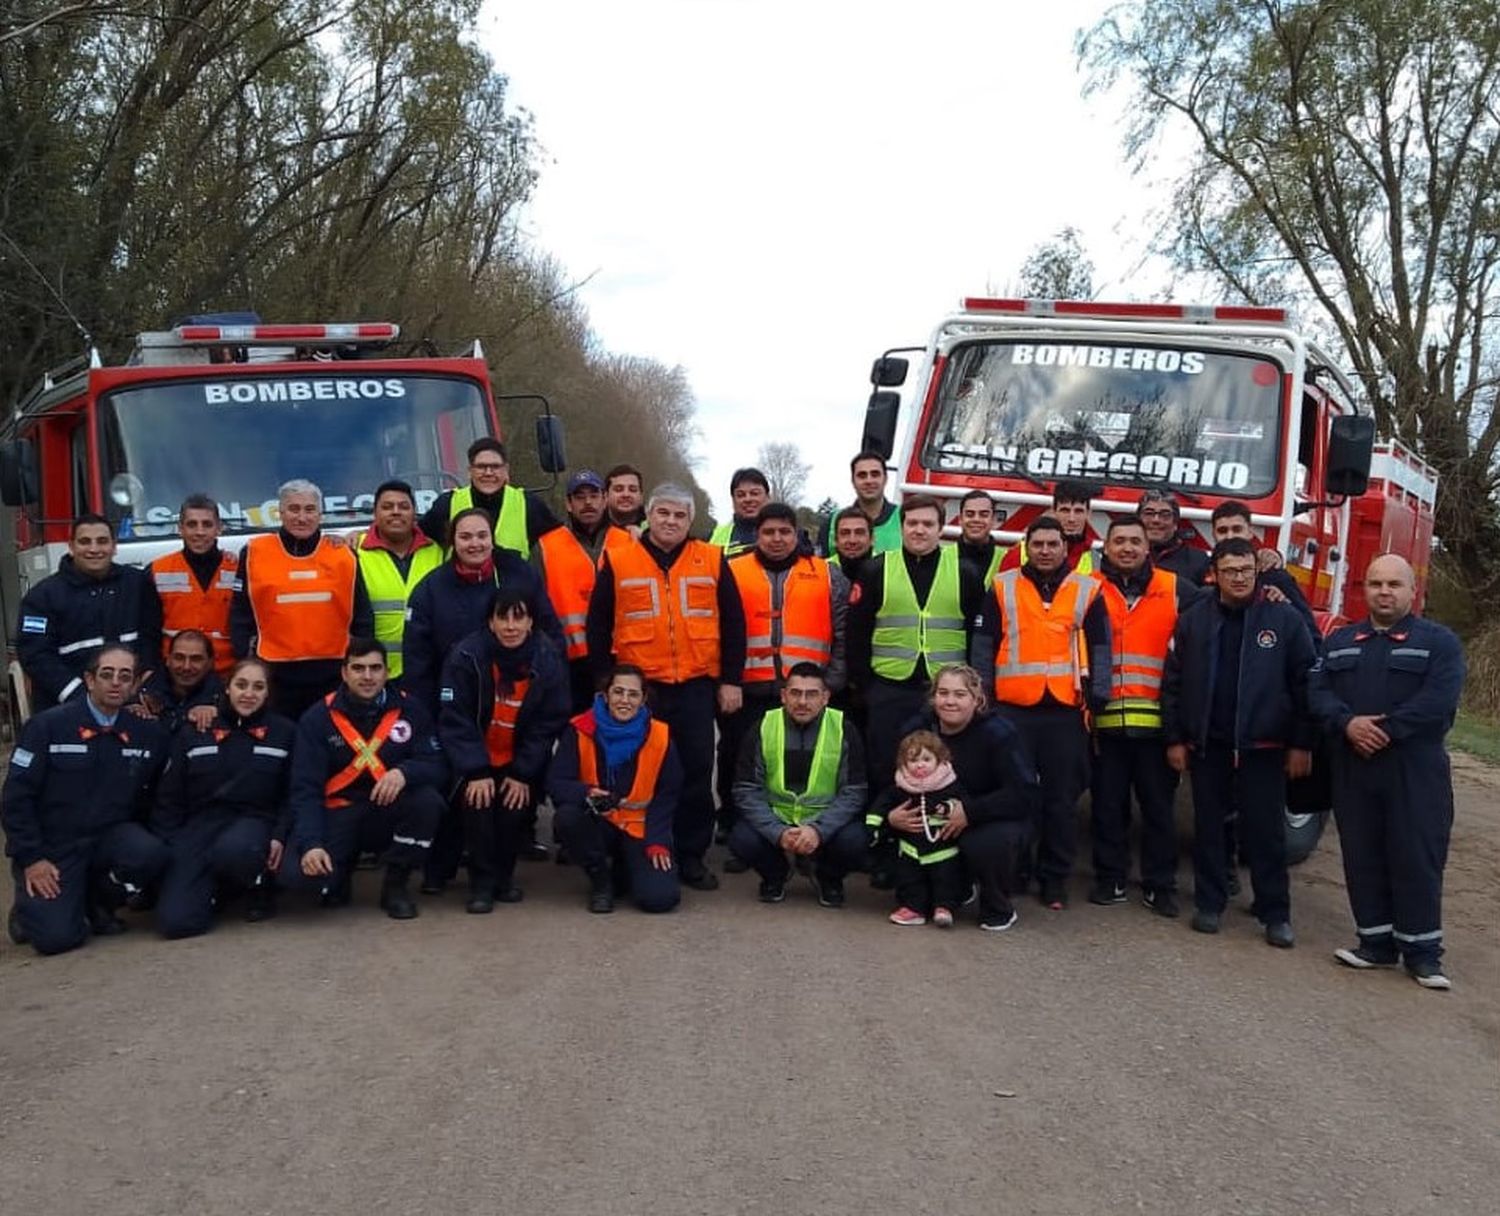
[230, 406]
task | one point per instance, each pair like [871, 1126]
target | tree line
[309, 159]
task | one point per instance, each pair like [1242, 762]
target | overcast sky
[771, 193]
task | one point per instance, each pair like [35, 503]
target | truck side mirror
[551, 448]
[1351, 445]
[889, 371]
[18, 473]
[880, 423]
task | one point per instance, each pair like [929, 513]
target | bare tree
[1348, 155]
[785, 469]
[1059, 269]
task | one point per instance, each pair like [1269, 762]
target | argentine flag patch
[21, 758]
[445, 695]
[33, 624]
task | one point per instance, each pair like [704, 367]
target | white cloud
[772, 193]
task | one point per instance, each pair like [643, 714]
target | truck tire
[1303, 831]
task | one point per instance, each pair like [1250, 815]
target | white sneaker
[1000, 926]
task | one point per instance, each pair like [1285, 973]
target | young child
[929, 875]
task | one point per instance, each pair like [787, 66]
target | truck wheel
[1303, 831]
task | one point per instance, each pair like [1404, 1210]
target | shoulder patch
[400, 731]
[21, 758]
[34, 624]
[445, 695]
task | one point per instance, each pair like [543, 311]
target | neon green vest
[721, 538]
[388, 593]
[904, 632]
[510, 528]
[823, 777]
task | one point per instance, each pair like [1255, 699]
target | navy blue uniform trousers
[595, 843]
[205, 852]
[93, 870]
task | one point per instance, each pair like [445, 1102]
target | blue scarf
[620, 740]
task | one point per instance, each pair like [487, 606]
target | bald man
[1386, 690]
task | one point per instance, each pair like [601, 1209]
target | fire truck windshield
[238, 438]
[1207, 421]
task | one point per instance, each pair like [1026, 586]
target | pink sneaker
[942, 918]
[908, 916]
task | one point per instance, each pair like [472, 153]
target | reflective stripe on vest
[787, 622]
[186, 605]
[822, 777]
[1140, 636]
[569, 573]
[282, 588]
[907, 849]
[667, 624]
[510, 528]
[389, 593]
[722, 539]
[1041, 646]
[905, 632]
[500, 737]
[366, 752]
[629, 814]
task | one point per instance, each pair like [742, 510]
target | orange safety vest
[629, 815]
[569, 573]
[500, 738]
[799, 629]
[1042, 646]
[303, 605]
[668, 624]
[366, 752]
[186, 605]
[1140, 637]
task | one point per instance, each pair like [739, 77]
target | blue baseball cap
[582, 478]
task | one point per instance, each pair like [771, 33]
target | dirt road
[735, 1057]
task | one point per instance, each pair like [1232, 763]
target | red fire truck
[1213, 403]
[233, 407]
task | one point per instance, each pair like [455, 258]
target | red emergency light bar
[251, 335]
[1200, 313]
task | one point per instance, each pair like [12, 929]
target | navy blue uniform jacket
[320, 751]
[1276, 658]
[68, 615]
[237, 768]
[468, 695]
[444, 609]
[70, 781]
[1411, 676]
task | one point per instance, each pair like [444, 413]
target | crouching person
[615, 783]
[222, 806]
[80, 777]
[505, 700]
[799, 790]
[367, 776]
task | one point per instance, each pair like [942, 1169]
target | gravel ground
[739, 1057]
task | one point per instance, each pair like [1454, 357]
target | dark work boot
[14, 927]
[601, 890]
[481, 899]
[394, 897]
[261, 903]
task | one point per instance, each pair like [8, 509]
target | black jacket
[68, 614]
[320, 752]
[1184, 560]
[237, 768]
[468, 694]
[69, 781]
[444, 609]
[1276, 656]
[988, 761]
[172, 709]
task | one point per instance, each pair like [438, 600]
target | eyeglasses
[108, 675]
[1236, 573]
[1149, 513]
[488, 468]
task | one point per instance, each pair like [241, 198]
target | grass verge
[1477, 735]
